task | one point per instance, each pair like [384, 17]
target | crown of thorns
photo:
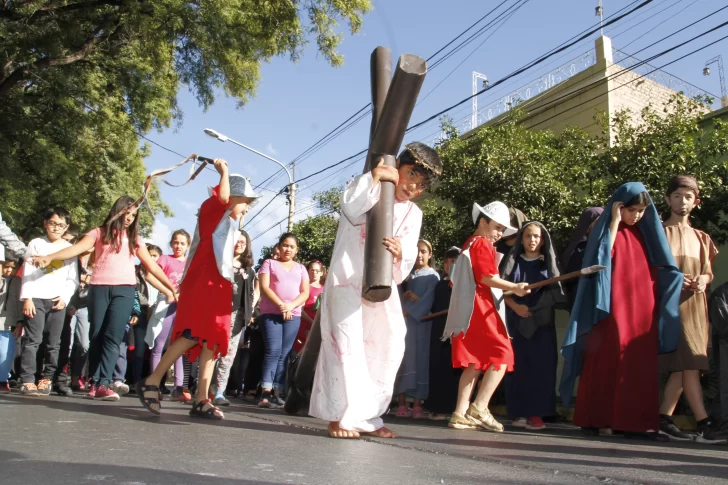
[417, 150]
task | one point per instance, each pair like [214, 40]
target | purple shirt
[285, 284]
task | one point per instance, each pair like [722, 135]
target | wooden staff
[568, 276]
[393, 119]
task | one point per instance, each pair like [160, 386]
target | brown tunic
[694, 253]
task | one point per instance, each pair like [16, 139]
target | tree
[81, 80]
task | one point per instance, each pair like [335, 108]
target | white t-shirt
[60, 278]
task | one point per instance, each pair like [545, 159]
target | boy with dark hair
[45, 292]
[362, 343]
[694, 253]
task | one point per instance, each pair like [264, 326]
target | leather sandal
[147, 402]
[198, 412]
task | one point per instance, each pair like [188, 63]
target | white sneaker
[119, 387]
[519, 423]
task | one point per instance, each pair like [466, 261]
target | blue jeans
[109, 310]
[7, 354]
[278, 337]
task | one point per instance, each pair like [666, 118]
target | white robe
[362, 343]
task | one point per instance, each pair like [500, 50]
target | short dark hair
[683, 182]
[482, 216]
[643, 198]
[154, 247]
[452, 253]
[57, 211]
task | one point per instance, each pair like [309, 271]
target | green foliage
[554, 177]
[537, 171]
[659, 147]
[80, 80]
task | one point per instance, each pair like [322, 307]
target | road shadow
[700, 465]
[20, 470]
[172, 418]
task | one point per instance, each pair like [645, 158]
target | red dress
[618, 387]
[486, 343]
[206, 298]
[310, 309]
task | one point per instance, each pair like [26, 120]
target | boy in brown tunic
[694, 252]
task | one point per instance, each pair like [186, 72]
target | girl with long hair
[113, 283]
[174, 267]
[285, 287]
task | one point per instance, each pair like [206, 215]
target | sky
[298, 103]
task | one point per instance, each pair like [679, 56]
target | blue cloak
[593, 296]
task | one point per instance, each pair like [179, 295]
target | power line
[452, 71]
[322, 141]
[585, 34]
[525, 68]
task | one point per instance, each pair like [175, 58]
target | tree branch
[48, 11]
[15, 77]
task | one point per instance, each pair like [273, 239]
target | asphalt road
[68, 441]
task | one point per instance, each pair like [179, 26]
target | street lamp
[599, 12]
[291, 184]
[721, 75]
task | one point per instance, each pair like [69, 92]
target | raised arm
[614, 225]
[222, 167]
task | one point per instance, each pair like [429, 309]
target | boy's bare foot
[336, 431]
[381, 433]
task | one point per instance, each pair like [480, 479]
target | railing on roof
[576, 65]
[661, 77]
[528, 91]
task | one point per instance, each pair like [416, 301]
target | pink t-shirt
[173, 268]
[110, 267]
[285, 284]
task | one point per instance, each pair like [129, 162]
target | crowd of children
[82, 307]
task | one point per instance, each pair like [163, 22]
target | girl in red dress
[480, 341]
[622, 318]
[618, 389]
[203, 330]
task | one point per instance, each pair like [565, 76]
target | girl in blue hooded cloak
[622, 317]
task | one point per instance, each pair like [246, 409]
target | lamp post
[476, 77]
[291, 184]
[721, 75]
[599, 12]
